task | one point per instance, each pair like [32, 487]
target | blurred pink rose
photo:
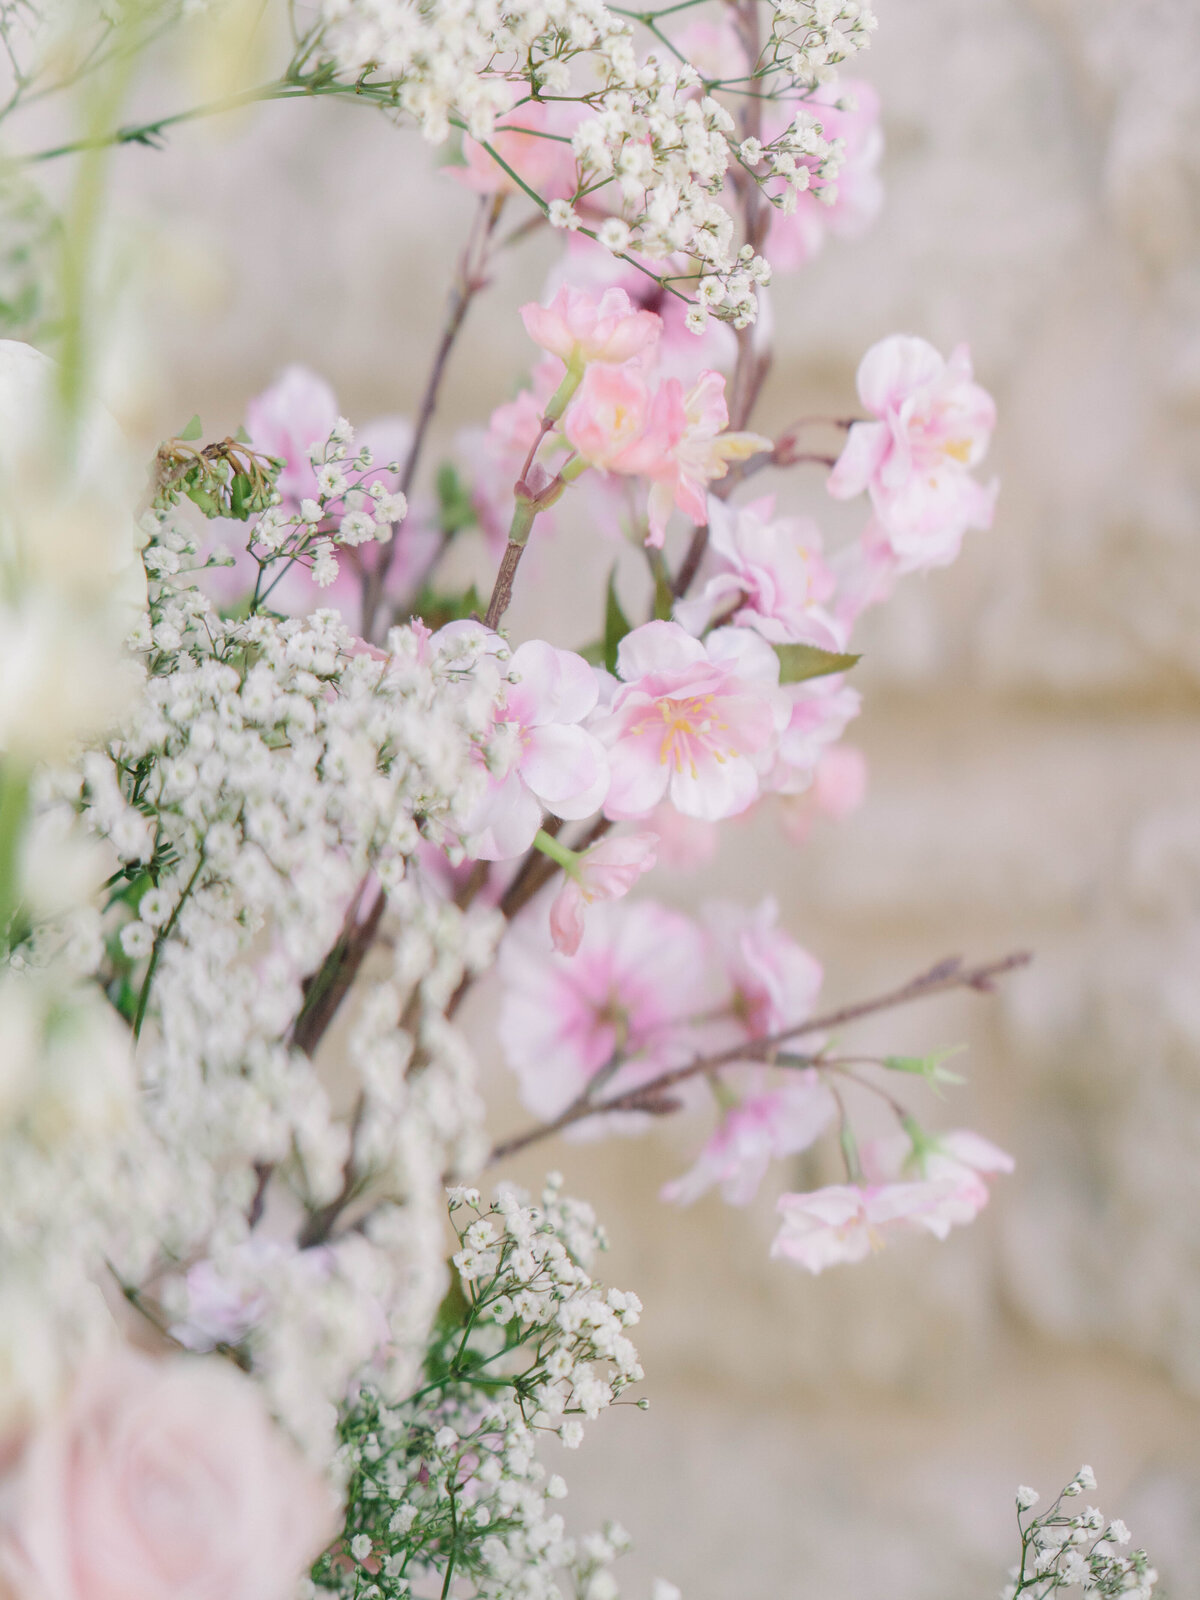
[162, 1480]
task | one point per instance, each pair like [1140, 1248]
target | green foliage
[224, 479]
[799, 662]
[928, 1067]
[616, 623]
[456, 511]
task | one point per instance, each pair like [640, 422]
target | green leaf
[200, 496]
[241, 435]
[928, 1067]
[241, 496]
[616, 623]
[455, 509]
[799, 662]
[192, 432]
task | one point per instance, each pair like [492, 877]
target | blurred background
[1032, 726]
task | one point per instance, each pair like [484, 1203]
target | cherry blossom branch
[470, 279]
[534, 497]
[653, 1096]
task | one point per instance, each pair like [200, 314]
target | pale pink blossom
[714, 47]
[162, 1480]
[543, 760]
[844, 1222]
[683, 842]
[953, 1163]
[773, 980]
[680, 353]
[618, 422]
[295, 412]
[819, 711]
[535, 141]
[691, 721]
[702, 454]
[633, 990]
[678, 441]
[763, 1128]
[606, 871]
[579, 327]
[838, 788]
[494, 458]
[846, 206]
[915, 461]
[766, 573]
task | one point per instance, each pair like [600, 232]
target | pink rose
[162, 1480]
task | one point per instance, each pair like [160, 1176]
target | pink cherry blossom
[683, 842]
[680, 353]
[534, 140]
[763, 1128]
[845, 207]
[953, 1163]
[691, 721]
[915, 462]
[617, 422]
[606, 871]
[637, 981]
[844, 1222]
[297, 411]
[162, 1480]
[773, 979]
[714, 47]
[767, 573]
[546, 760]
[838, 788]
[676, 440]
[579, 328]
[819, 711]
[702, 454]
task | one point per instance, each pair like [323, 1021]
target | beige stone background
[1032, 729]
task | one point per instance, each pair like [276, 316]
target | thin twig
[470, 278]
[945, 976]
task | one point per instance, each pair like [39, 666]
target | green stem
[566, 858]
[152, 967]
[14, 799]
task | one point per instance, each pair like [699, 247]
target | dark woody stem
[655, 1097]
[470, 278]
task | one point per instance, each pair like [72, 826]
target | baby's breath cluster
[352, 507]
[267, 795]
[653, 144]
[1068, 1549]
[448, 1486]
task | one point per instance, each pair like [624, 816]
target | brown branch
[503, 587]
[325, 991]
[944, 977]
[469, 280]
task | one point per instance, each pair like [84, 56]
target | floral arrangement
[277, 794]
